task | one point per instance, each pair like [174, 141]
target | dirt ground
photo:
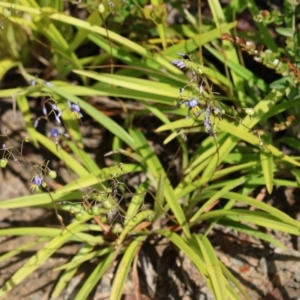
[266, 272]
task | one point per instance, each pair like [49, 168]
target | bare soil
[163, 273]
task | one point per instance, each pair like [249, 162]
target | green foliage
[232, 114]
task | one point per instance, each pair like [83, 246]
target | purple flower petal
[179, 64]
[75, 110]
[45, 110]
[57, 118]
[207, 123]
[192, 103]
[54, 107]
[37, 180]
[75, 107]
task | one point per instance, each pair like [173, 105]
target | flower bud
[103, 219]
[117, 228]
[101, 8]
[44, 184]
[249, 111]
[150, 218]
[179, 64]
[201, 89]
[79, 216]
[109, 190]
[7, 12]
[36, 123]
[3, 163]
[107, 204]
[52, 174]
[95, 210]
[44, 109]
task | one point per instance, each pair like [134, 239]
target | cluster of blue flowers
[57, 112]
[50, 107]
[37, 182]
[195, 108]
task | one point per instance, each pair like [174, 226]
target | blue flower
[37, 182]
[75, 110]
[193, 106]
[192, 103]
[54, 136]
[54, 133]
